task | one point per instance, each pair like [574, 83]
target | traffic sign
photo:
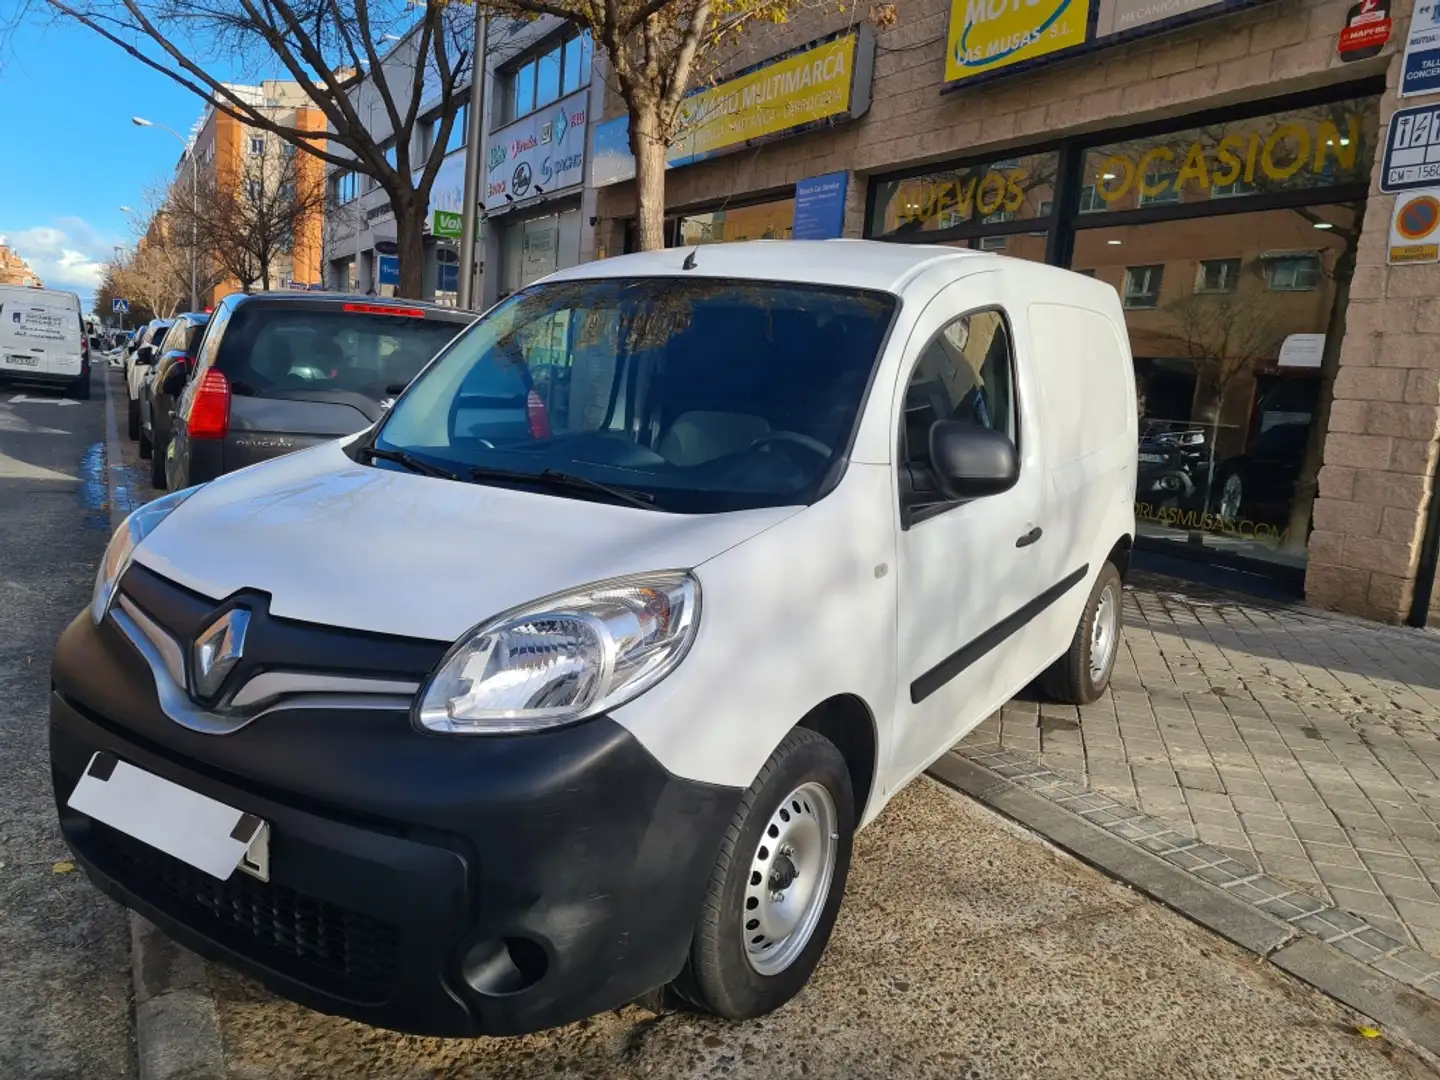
[119, 306]
[1412, 150]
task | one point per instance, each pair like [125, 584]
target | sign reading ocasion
[992, 37]
[825, 82]
[538, 154]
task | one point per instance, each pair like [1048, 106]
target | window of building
[257, 144]
[1217, 275]
[1227, 191]
[1090, 200]
[346, 187]
[966, 374]
[391, 155]
[457, 130]
[560, 68]
[1293, 273]
[1142, 286]
[1159, 188]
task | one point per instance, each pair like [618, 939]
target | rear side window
[278, 351]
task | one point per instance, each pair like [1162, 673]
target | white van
[498, 715]
[42, 339]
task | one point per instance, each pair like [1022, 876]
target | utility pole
[474, 165]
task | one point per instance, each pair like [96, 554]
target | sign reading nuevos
[538, 154]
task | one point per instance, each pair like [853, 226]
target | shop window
[447, 273]
[1293, 273]
[760, 221]
[1217, 275]
[1014, 189]
[1142, 286]
[1311, 148]
[992, 243]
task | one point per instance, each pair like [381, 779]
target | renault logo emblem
[217, 650]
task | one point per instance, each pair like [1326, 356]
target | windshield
[275, 350]
[705, 395]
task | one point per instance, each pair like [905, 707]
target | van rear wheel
[777, 883]
[1082, 674]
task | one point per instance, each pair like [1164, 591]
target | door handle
[1029, 538]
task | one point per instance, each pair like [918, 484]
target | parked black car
[278, 372]
[1260, 483]
[141, 356]
[156, 406]
[1172, 466]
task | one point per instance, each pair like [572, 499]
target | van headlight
[563, 658]
[140, 524]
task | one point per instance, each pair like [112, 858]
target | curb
[1401, 1010]
[177, 1031]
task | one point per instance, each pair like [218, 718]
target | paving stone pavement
[1297, 742]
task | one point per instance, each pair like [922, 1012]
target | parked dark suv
[277, 372]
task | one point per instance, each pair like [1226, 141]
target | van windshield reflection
[691, 395]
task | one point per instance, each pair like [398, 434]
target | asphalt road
[64, 948]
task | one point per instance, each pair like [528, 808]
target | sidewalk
[1299, 743]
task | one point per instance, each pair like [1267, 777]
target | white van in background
[42, 339]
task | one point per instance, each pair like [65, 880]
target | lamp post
[140, 121]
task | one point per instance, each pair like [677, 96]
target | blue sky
[71, 156]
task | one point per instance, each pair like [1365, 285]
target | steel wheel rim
[789, 879]
[1104, 630]
[1230, 498]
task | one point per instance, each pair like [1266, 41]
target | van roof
[22, 293]
[859, 264]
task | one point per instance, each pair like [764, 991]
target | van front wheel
[777, 883]
[1081, 675]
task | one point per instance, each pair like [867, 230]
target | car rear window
[280, 351]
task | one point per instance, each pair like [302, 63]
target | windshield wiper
[409, 461]
[554, 478]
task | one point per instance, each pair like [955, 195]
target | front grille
[324, 945]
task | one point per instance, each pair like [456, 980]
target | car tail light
[385, 309]
[209, 416]
[536, 414]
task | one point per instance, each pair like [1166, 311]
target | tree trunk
[410, 239]
[649, 150]
[1307, 484]
[265, 274]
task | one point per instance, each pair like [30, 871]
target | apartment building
[231, 154]
[14, 270]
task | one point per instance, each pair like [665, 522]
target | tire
[1077, 678]
[133, 427]
[721, 975]
[157, 467]
[80, 388]
[144, 444]
[1231, 503]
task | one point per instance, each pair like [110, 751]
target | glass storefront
[1228, 243]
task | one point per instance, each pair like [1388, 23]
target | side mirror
[176, 378]
[971, 462]
[145, 354]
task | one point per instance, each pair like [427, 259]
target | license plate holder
[194, 828]
[1151, 459]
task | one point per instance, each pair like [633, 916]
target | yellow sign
[987, 35]
[812, 85]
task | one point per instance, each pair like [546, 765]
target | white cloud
[70, 254]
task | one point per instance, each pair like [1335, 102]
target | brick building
[14, 270]
[1218, 167]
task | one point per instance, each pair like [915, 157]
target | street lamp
[140, 121]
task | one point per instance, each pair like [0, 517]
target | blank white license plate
[193, 828]
[22, 360]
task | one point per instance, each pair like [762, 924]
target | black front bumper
[439, 885]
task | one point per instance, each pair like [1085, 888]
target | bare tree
[657, 51]
[147, 276]
[324, 46]
[1224, 333]
[248, 222]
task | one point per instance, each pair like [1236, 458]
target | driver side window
[965, 373]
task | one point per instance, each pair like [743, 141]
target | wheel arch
[848, 722]
[1119, 555]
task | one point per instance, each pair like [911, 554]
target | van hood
[342, 544]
